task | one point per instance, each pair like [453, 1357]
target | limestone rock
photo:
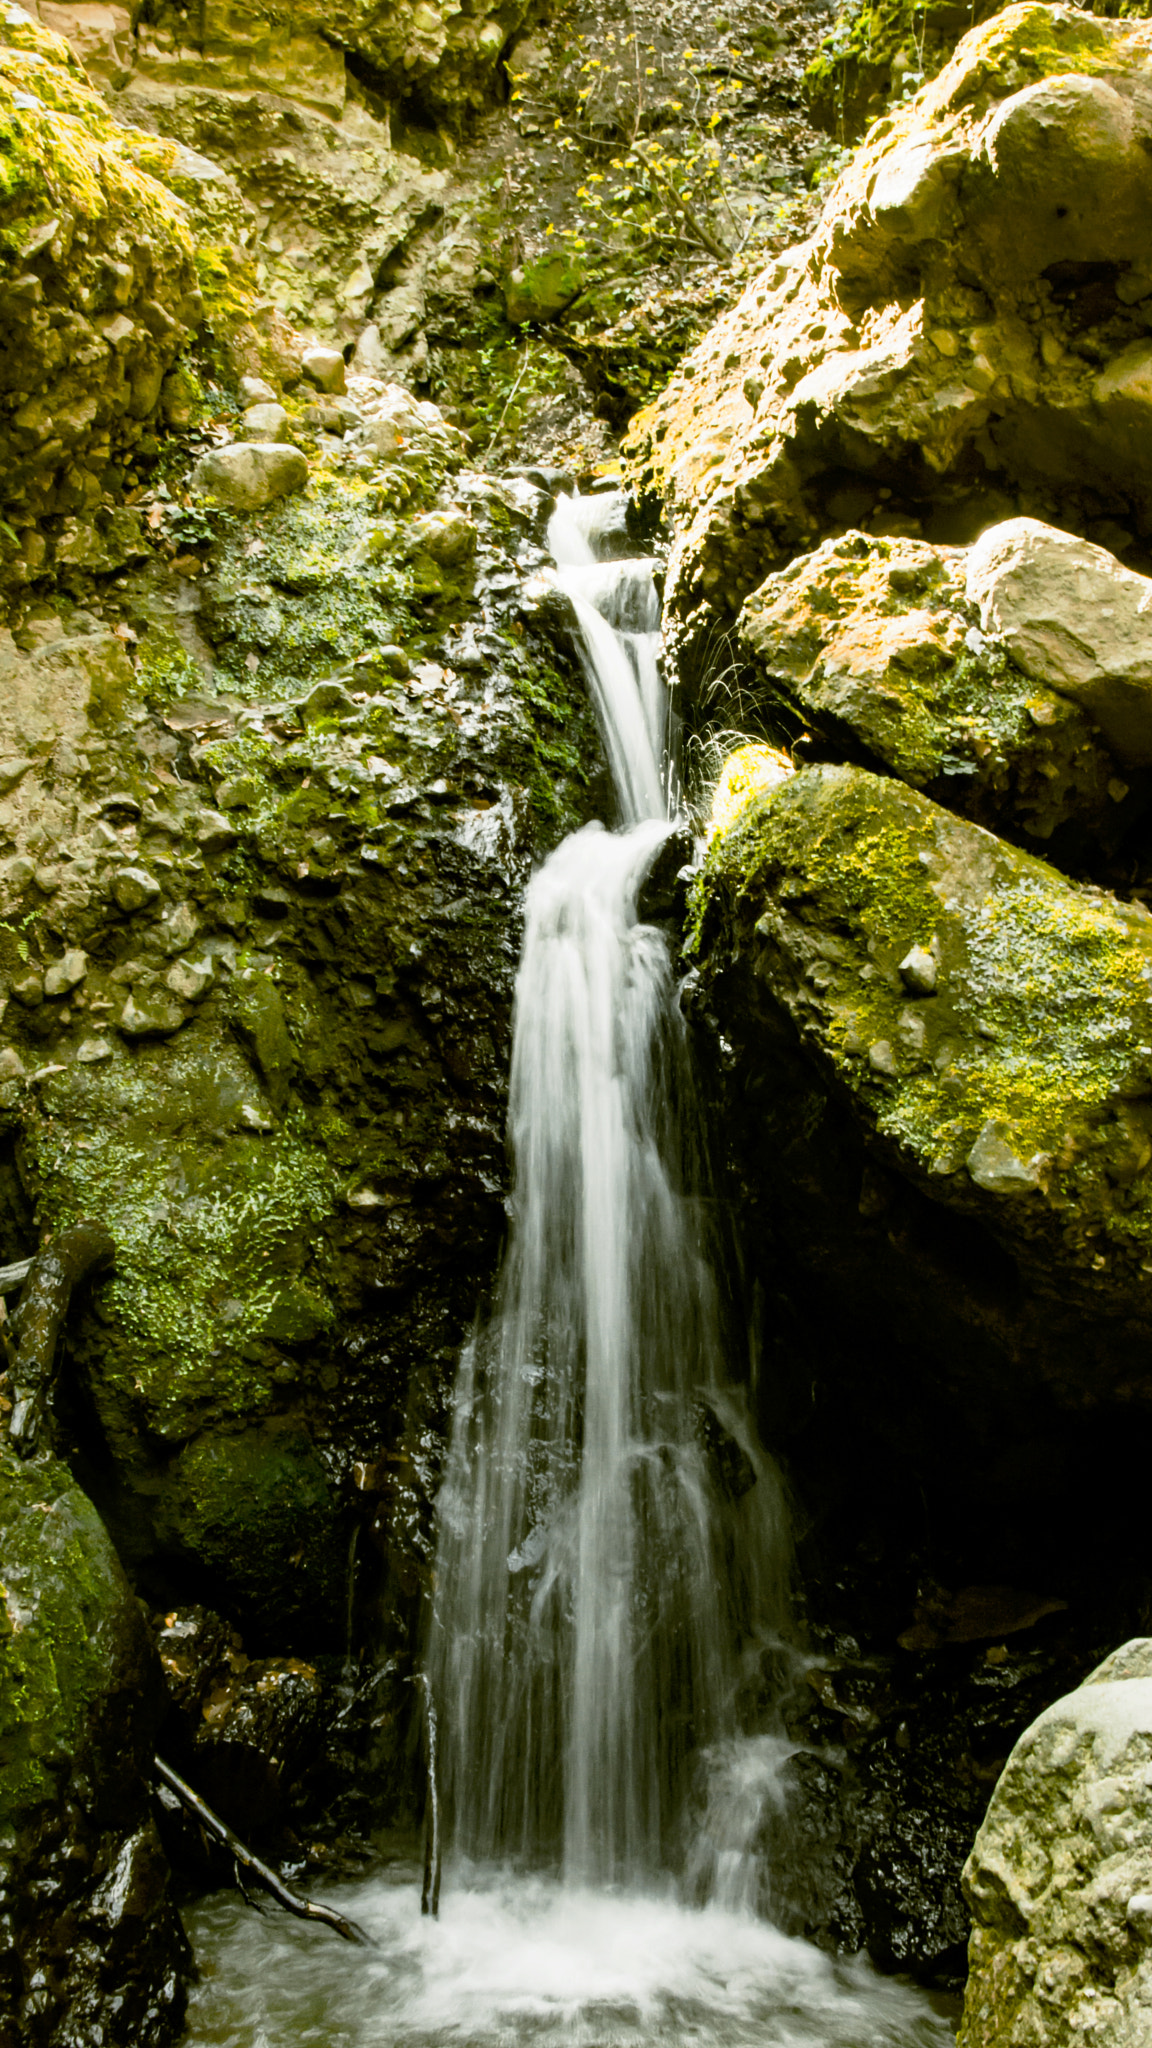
[324, 367]
[97, 292]
[134, 888]
[876, 643]
[1073, 617]
[1060, 1878]
[80, 1707]
[1019, 1089]
[250, 474]
[962, 338]
[264, 423]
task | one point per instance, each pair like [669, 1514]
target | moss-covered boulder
[1060, 1878]
[97, 294]
[876, 644]
[987, 1024]
[964, 338]
[92, 1947]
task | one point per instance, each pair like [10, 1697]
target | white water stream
[600, 1599]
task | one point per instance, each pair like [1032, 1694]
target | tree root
[57, 1269]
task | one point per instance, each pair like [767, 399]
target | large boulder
[1060, 1878]
[986, 1024]
[964, 337]
[97, 295]
[878, 644]
[92, 1948]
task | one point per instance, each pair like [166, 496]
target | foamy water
[514, 1959]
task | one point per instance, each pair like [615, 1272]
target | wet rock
[1017, 1091]
[961, 339]
[251, 474]
[147, 1014]
[67, 973]
[243, 1727]
[876, 643]
[92, 1945]
[1060, 1876]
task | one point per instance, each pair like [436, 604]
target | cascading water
[585, 1633]
[599, 1600]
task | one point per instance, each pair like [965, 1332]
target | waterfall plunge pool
[516, 1959]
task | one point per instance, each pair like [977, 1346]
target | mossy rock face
[99, 1946]
[988, 1024]
[258, 1516]
[876, 643]
[1060, 1878]
[288, 888]
[97, 295]
[963, 340]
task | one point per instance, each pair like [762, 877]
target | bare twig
[305, 1909]
[511, 395]
[430, 1895]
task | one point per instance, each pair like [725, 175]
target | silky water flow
[601, 1603]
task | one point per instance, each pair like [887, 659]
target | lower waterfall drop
[590, 1613]
[600, 1601]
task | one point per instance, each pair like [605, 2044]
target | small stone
[264, 423]
[882, 1059]
[943, 339]
[214, 832]
[255, 391]
[918, 972]
[238, 793]
[18, 872]
[1139, 1915]
[250, 474]
[92, 1049]
[66, 974]
[29, 990]
[324, 367]
[12, 767]
[449, 536]
[253, 1119]
[151, 1017]
[394, 660]
[132, 888]
[994, 1164]
[190, 979]
[12, 1067]
[179, 929]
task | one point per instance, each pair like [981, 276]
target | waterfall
[592, 1601]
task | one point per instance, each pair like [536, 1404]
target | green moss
[1040, 1022]
[71, 1636]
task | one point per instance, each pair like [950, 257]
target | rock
[134, 888]
[189, 980]
[399, 314]
[256, 391]
[92, 1050]
[324, 367]
[28, 989]
[92, 1943]
[147, 1015]
[243, 1727]
[250, 474]
[1074, 618]
[449, 536]
[97, 292]
[541, 290]
[1020, 1090]
[932, 358]
[370, 357]
[1060, 1878]
[264, 423]
[67, 973]
[874, 642]
[917, 971]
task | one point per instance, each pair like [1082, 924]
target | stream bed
[516, 1959]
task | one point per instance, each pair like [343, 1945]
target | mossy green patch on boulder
[257, 1515]
[989, 1023]
[90, 1938]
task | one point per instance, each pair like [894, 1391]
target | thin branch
[305, 1909]
[430, 1895]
